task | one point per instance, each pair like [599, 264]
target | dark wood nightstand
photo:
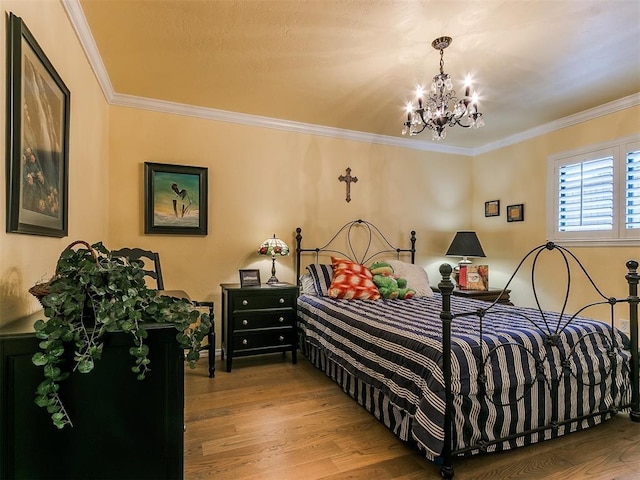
[486, 295]
[257, 320]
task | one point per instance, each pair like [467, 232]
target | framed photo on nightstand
[249, 278]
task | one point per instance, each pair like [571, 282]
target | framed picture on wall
[492, 208]
[38, 104]
[515, 213]
[175, 199]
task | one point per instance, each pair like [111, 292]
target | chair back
[151, 261]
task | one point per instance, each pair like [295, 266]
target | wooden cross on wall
[348, 179]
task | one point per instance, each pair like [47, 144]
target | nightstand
[257, 320]
[486, 295]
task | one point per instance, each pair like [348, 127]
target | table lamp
[465, 245]
[273, 246]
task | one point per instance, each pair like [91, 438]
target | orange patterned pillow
[352, 281]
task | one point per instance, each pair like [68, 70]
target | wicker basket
[42, 289]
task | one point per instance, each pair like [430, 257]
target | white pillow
[417, 278]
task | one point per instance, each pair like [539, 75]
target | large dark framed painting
[38, 105]
[175, 199]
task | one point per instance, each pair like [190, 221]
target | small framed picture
[175, 199]
[249, 278]
[492, 208]
[515, 213]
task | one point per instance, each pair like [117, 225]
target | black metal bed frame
[370, 231]
[550, 330]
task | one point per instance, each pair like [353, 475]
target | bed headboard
[375, 244]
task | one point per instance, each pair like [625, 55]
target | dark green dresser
[123, 428]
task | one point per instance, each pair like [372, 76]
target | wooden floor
[269, 419]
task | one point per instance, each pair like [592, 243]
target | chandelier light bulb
[468, 82]
[441, 108]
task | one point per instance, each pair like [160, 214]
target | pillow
[321, 275]
[417, 278]
[352, 281]
[307, 286]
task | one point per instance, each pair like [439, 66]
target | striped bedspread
[518, 377]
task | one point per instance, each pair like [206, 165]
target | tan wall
[265, 181]
[517, 174]
[26, 259]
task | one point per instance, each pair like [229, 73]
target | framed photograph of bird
[175, 199]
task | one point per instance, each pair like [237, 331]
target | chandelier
[441, 108]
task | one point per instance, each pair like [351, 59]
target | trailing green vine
[92, 294]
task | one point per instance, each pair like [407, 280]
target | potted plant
[91, 294]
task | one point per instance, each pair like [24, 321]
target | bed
[457, 376]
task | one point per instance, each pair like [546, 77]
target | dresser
[122, 427]
[257, 320]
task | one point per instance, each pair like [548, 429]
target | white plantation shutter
[594, 194]
[632, 190]
[586, 196]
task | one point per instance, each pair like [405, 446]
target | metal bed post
[298, 252]
[446, 289]
[413, 246]
[632, 279]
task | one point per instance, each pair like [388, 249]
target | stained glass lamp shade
[274, 247]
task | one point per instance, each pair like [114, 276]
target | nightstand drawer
[263, 339]
[258, 300]
[269, 319]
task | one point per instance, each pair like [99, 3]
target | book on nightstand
[474, 277]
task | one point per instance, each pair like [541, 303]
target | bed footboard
[552, 333]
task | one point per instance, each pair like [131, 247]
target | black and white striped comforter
[391, 354]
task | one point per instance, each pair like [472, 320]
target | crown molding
[580, 117]
[79, 22]
[163, 106]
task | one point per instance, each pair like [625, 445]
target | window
[632, 189]
[594, 194]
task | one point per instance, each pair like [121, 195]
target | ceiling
[353, 64]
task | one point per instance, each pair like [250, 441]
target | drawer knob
[281, 338]
[245, 341]
[245, 322]
[281, 300]
[281, 319]
[245, 302]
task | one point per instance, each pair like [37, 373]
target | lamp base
[273, 279]
[456, 275]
